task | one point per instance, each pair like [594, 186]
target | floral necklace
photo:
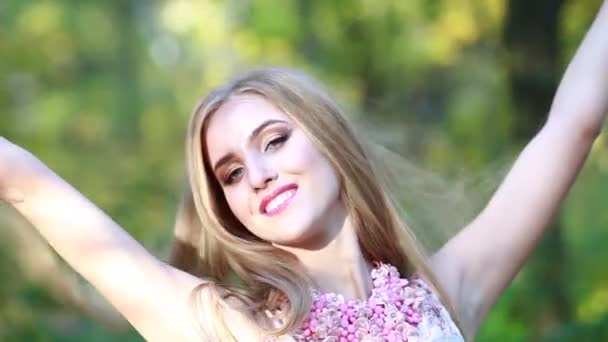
[392, 312]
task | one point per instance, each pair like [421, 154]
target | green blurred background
[101, 92]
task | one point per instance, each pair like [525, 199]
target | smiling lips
[278, 200]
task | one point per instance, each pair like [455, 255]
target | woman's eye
[233, 175]
[276, 142]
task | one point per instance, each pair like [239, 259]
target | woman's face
[274, 179]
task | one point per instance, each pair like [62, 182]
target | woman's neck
[338, 266]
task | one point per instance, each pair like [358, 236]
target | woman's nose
[260, 173]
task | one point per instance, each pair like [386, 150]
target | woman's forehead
[241, 115]
[233, 122]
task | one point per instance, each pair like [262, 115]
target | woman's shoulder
[436, 323]
[427, 318]
[227, 319]
[242, 327]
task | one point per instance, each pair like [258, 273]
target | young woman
[297, 235]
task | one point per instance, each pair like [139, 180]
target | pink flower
[395, 311]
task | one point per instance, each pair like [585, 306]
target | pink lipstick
[278, 200]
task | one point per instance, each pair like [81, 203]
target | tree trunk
[531, 41]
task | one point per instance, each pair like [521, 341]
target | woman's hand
[20, 172]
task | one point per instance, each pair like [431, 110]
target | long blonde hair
[213, 244]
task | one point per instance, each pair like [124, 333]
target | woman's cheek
[238, 203]
[299, 156]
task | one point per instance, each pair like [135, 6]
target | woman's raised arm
[153, 297]
[478, 263]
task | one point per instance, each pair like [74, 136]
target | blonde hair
[213, 244]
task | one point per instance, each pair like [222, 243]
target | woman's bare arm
[478, 263]
[153, 297]
[41, 266]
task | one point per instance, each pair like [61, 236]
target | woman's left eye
[276, 142]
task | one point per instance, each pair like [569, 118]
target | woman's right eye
[233, 176]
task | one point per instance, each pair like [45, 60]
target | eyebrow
[254, 134]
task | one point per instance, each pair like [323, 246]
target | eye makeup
[277, 138]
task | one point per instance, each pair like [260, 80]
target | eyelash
[273, 143]
[229, 178]
[277, 141]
